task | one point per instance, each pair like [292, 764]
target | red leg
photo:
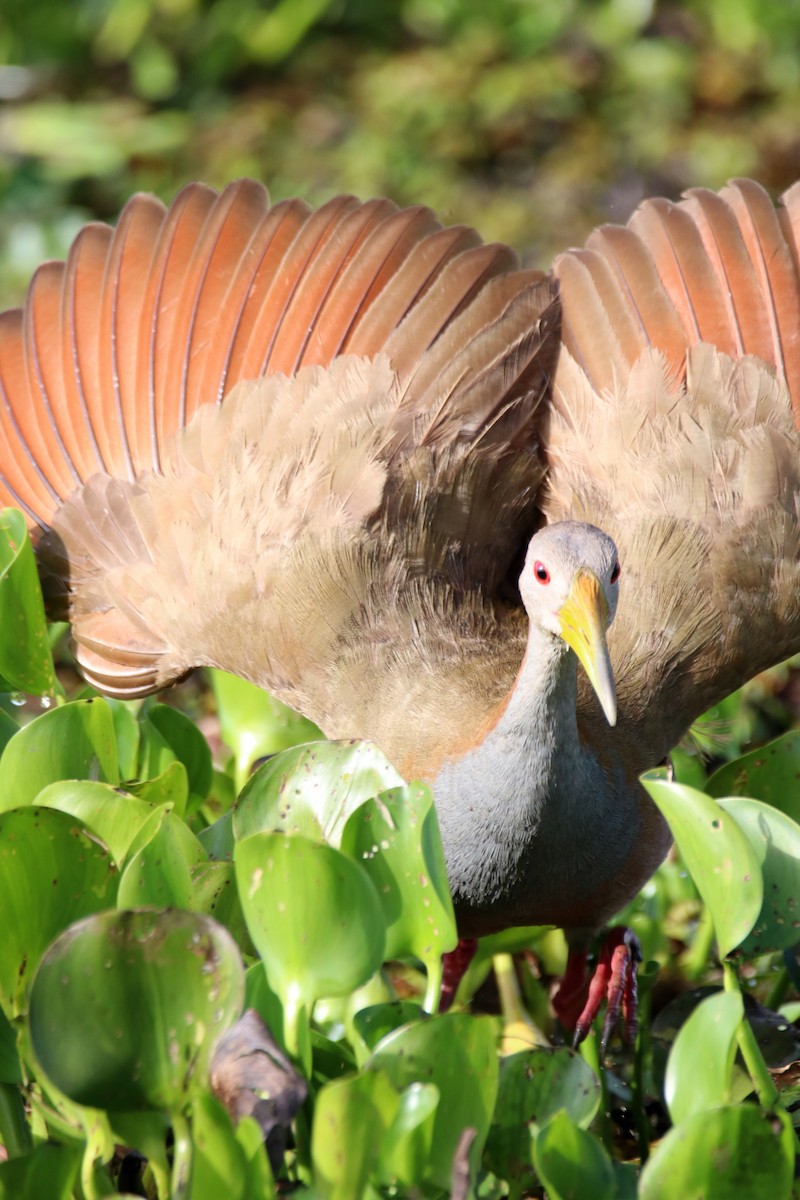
[614, 980]
[454, 966]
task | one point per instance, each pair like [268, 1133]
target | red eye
[615, 574]
[541, 572]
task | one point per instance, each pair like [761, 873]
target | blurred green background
[532, 119]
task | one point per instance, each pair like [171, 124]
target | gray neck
[530, 820]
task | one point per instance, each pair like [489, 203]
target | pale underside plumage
[347, 531]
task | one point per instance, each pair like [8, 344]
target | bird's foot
[613, 980]
[454, 968]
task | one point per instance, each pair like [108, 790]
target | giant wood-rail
[363, 460]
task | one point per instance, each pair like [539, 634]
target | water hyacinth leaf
[572, 1163]
[158, 872]
[457, 1053]
[128, 736]
[718, 856]
[406, 1146]
[145, 996]
[48, 1171]
[775, 841]
[351, 1117]
[183, 740]
[219, 1167]
[700, 1065]
[534, 1086]
[372, 1024]
[171, 788]
[312, 790]
[52, 872]
[254, 724]
[313, 916]
[214, 893]
[769, 774]
[114, 816]
[26, 661]
[395, 836]
[723, 1154]
[73, 742]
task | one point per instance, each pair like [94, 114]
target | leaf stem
[181, 1157]
[768, 1094]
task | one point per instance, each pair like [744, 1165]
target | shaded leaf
[571, 1163]
[145, 996]
[49, 1171]
[534, 1086]
[25, 658]
[52, 871]
[457, 1054]
[724, 1154]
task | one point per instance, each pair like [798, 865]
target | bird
[518, 528]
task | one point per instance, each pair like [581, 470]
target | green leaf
[25, 658]
[395, 837]
[158, 872]
[185, 741]
[52, 871]
[534, 1086]
[73, 742]
[372, 1024]
[571, 1163]
[700, 1065]
[114, 816]
[775, 841]
[769, 774]
[255, 724]
[312, 914]
[457, 1053]
[313, 790]
[214, 892]
[407, 1144]
[718, 856]
[723, 1154]
[48, 1171]
[170, 788]
[219, 1167]
[351, 1117]
[128, 733]
[10, 1069]
[145, 996]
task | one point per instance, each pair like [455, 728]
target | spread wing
[673, 429]
[396, 430]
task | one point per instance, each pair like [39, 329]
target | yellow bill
[584, 618]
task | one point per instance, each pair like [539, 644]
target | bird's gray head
[569, 586]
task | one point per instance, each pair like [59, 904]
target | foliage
[143, 909]
[531, 120]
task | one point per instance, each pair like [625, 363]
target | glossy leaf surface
[145, 996]
[718, 855]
